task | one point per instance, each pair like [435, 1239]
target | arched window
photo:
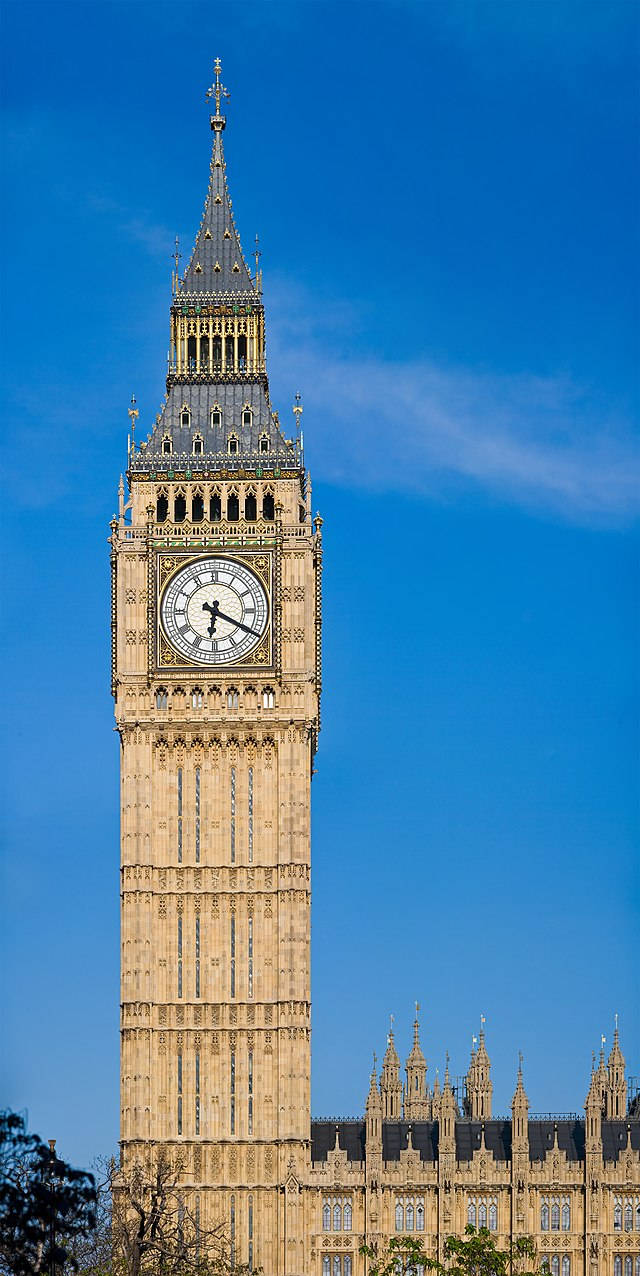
[617, 1266]
[180, 509]
[408, 1218]
[268, 508]
[471, 1214]
[204, 354]
[419, 1217]
[197, 508]
[232, 445]
[493, 1218]
[399, 1217]
[337, 1264]
[628, 1265]
[617, 1217]
[482, 1215]
[196, 698]
[233, 699]
[268, 699]
[166, 446]
[555, 1217]
[326, 1266]
[637, 1273]
[544, 1217]
[162, 698]
[638, 1218]
[347, 1217]
[191, 354]
[233, 508]
[337, 1217]
[628, 1217]
[185, 416]
[215, 508]
[566, 1265]
[250, 508]
[162, 507]
[566, 1217]
[555, 1265]
[264, 443]
[247, 416]
[326, 1217]
[217, 353]
[242, 353]
[198, 446]
[346, 1265]
[216, 417]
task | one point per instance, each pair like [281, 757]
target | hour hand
[213, 609]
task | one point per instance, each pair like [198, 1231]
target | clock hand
[232, 621]
[213, 608]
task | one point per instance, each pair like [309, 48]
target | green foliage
[45, 1205]
[475, 1254]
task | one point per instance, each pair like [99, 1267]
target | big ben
[216, 571]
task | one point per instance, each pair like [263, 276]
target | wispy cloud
[542, 442]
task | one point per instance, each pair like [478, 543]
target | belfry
[216, 567]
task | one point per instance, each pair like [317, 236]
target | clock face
[214, 611]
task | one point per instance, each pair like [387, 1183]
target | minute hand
[239, 623]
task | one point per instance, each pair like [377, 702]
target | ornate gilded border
[167, 563]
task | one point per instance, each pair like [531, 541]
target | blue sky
[447, 200]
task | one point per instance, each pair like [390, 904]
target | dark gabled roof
[615, 1135]
[395, 1139]
[497, 1139]
[230, 397]
[351, 1138]
[570, 1139]
[217, 264]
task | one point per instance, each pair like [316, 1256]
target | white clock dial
[214, 611]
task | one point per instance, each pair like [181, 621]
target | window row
[483, 1212]
[337, 1214]
[215, 513]
[227, 353]
[554, 1212]
[215, 416]
[197, 445]
[625, 1209]
[410, 1214]
[337, 1265]
[626, 1265]
[556, 1265]
[231, 698]
[232, 1232]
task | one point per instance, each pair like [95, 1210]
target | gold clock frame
[168, 562]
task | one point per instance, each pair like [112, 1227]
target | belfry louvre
[216, 672]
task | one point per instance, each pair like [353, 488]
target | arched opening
[185, 417]
[233, 446]
[197, 446]
[233, 509]
[204, 354]
[246, 417]
[197, 509]
[217, 353]
[216, 417]
[162, 508]
[228, 352]
[166, 447]
[250, 508]
[268, 510]
[242, 353]
[180, 509]
[191, 354]
[215, 509]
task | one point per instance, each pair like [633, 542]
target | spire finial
[133, 413]
[482, 1023]
[615, 1030]
[297, 412]
[257, 254]
[218, 91]
[520, 1057]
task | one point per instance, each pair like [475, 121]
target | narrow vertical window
[250, 1230]
[197, 1093]
[179, 814]
[233, 957]
[179, 1093]
[482, 1215]
[233, 814]
[179, 956]
[233, 1230]
[232, 1093]
[250, 970]
[250, 1111]
[251, 815]
[197, 956]
[197, 815]
[493, 1218]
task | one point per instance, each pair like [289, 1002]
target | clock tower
[216, 570]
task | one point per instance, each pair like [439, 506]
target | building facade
[216, 567]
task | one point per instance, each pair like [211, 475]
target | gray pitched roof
[351, 1139]
[217, 263]
[231, 398]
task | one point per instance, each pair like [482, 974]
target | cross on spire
[217, 90]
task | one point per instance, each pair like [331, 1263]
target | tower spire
[218, 91]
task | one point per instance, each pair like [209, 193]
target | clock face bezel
[253, 571]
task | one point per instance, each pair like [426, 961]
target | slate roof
[497, 1139]
[230, 397]
[395, 1139]
[614, 1138]
[217, 263]
[570, 1139]
[351, 1137]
